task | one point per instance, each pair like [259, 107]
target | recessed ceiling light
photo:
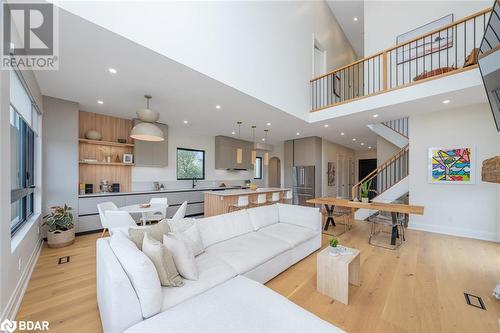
[446, 101]
[370, 147]
[375, 115]
[100, 102]
[342, 133]
[185, 121]
[263, 139]
[353, 139]
[325, 125]
[298, 133]
[217, 106]
[112, 70]
[355, 19]
[268, 124]
[362, 143]
[233, 132]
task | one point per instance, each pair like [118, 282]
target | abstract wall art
[452, 165]
[331, 174]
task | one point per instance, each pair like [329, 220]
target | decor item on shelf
[452, 165]
[429, 44]
[239, 151]
[128, 158]
[117, 159]
[334, 242]
[89, 188]
[89, 160]
[331, 174]
[115, 187]
[121, 140]
[365, 189]
[93, 135]
[108, 159]
[60, 227]
[147, 130]
[104, 187]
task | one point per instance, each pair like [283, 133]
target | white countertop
[247, 191]
[218, 189]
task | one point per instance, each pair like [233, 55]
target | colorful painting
[451, 165]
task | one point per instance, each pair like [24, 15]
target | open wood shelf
[106, 163]
[106, 143]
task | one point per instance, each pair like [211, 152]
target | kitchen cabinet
[225, 153]
[152, 154]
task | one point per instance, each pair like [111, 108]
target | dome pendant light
[147, 130]
[254, 152]
[266, 154]
[239, 151]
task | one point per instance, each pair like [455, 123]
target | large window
[24, 120]
[190, 164]
[257, 171]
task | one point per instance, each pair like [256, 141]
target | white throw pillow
[163, 261]
[263, 216]
[183, 257]
[181, 225]
[141, 273]
[191, 237]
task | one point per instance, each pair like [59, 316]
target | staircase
[394, 131]
[389, 181]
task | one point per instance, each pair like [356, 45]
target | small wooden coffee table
[336, 272]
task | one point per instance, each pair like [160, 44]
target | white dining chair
[261, 200]
[181, 212]
[287, 198]
[160, 214]
[240, 204]
[102, 208]
[275, 197]
[118, 219]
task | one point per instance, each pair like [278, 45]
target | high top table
[392, 208]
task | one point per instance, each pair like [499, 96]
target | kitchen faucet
[194, 182]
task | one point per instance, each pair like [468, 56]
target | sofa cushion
[263, 216]
[238, 305]
[163, 261]
[212, 271]
[183, 257]
[248, 251]
[219, 228]
[308, 217]
[292, 234]
[190, 236]
[141, 272]
[155, 231]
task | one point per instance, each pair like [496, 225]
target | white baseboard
[460, 232]
[16, 298]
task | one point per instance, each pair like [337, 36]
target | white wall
[463, 210]
[385, 20]
[330, 151]
[262, 48]
[385, 150]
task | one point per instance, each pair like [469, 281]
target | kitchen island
[218, 202]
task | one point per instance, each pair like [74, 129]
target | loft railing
[386, 175]
[444, 51]
[398, 125]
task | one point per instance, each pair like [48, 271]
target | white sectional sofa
[254, 244]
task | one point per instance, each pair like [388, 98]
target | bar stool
[261, 200]
[287, 198]
[275, 197]
[242, 203]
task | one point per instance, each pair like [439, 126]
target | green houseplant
[334, 242]
[365, 189]
[60, 227]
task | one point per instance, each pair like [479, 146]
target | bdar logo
[8, 326]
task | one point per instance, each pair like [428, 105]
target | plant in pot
[334, 242]
[365, 189]
[60, 227]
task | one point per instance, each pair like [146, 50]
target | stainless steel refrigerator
[302, 184]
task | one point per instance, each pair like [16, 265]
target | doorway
[274, 172]
[365, 167]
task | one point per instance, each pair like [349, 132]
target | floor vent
[63, 260]
[474, 301]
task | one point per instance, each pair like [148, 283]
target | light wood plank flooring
[418, 288]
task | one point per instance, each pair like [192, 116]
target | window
[23, 114]
[257, 171]
[190, 164]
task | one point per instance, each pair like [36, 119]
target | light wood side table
[334, 273]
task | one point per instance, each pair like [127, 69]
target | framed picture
[331, 174]
[336, 85]
[128, 158]
[455, 165]
[428, 45]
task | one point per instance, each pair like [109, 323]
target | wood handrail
[462, 20]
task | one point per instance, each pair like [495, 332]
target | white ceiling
[179, 93]
[345, 12]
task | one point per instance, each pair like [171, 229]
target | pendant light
[254, 152]
[239, 151]
[147, 130]
[266, 154]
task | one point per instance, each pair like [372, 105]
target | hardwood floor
[417, 288]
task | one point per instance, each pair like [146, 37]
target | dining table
[137, 209]
[393, 208]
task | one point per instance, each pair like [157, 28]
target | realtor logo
[29, 36]
[8, 326]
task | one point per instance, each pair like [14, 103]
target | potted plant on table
[60, 227]
[365, 189]
[334, 242]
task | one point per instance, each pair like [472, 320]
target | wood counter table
[217, 202]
